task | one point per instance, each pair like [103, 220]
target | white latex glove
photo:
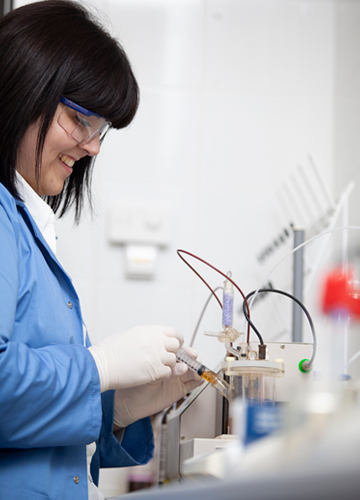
[138, 402]
[141, 355]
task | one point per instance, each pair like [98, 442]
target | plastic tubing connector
[305, 366]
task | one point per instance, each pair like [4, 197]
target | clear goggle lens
[81, 124]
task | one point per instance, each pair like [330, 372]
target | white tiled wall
[234, 94]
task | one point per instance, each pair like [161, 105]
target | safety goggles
[81, 124]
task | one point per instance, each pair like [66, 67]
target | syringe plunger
[191, 362]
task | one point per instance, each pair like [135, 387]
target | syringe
[204, 372]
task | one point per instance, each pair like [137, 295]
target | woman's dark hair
[50, 49]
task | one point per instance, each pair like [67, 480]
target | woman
[64, 81]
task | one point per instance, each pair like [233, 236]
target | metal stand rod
[298, 273]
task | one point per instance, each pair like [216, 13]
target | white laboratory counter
[316, 487]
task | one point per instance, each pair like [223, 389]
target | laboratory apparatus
[253, 378]
[205, 434]
[250, 371]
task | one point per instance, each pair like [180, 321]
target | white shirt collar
[40, 211]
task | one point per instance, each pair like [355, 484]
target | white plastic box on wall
[142, 229]
[139, 223]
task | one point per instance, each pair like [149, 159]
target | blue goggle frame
[79, 108]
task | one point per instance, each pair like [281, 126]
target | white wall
[347, 101]
[234, 94]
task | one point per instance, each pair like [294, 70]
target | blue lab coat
[50, 400]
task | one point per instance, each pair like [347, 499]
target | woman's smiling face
[60, 153]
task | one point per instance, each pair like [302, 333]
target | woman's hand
[134, 403]
[139, 356]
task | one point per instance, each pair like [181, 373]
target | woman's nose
[93, 147]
